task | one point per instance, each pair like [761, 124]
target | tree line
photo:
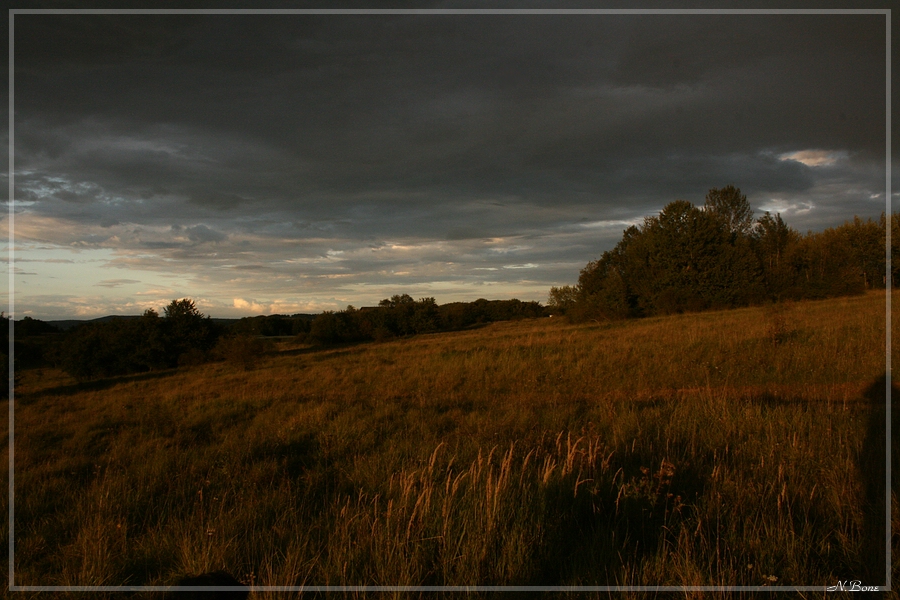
[182, 335]
[691, 258]
[401, 315]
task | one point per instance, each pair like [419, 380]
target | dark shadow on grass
[873, 473]
[94, 385]
[630, 516]
[218, 585]
[331, 350]
[658, 489]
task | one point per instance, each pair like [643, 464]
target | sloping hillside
[729, 448]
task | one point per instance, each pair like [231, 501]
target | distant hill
[66, 324]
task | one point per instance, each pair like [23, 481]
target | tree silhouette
[688, 258]
[189, 335]
[730, 207]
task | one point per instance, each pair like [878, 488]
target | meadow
[740, 447]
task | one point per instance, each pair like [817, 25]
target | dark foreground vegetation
[691, 258]
[740, 447]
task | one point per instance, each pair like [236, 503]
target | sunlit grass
[687, 450]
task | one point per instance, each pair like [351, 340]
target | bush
[135, 345]
[186, 328]
[97, 350]
[326, 329]
[192, 357]
[241, 351]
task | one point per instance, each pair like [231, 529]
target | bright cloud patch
[278, 307]
[251, 305]
[611, 224]
[815, 158]
[787, 207]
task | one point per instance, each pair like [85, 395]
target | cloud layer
[299, 162]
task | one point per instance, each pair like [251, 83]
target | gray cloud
[113, 283]
[362, 152]
[202, 233]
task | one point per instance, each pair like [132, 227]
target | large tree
[730, 207]
[187, 330]
[684, 258]
[775, 243]
[715, 256]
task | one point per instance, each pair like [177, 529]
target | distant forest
[691, 258]
[184, 336]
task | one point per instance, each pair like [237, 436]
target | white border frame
[448, 11]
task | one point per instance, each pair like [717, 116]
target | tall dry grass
[708, 449]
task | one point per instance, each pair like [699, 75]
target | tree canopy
[134, 345]
[690, 258]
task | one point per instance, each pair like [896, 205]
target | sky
[295, 163]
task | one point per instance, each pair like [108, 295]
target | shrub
[192, 357]
[242, 351]
[134, 345]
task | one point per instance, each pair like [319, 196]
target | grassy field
[740, 447]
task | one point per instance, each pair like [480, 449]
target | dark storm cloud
[293, 136]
